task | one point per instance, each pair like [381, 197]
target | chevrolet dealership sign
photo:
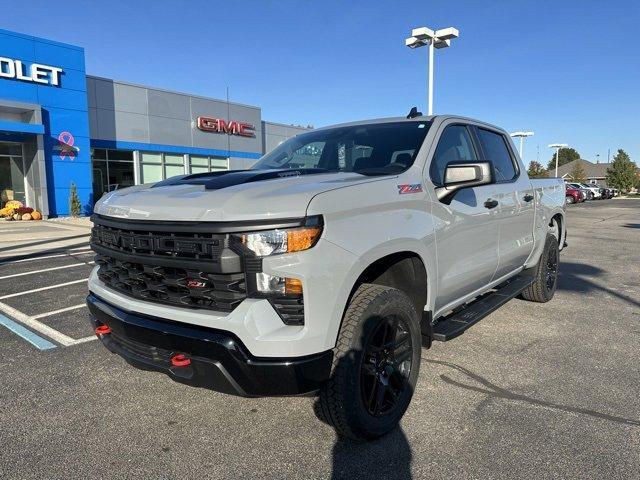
[36, 72]
[219, 125]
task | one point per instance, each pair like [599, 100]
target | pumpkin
[36, 215]
[14, 204]
[26, 216]
[16, 216]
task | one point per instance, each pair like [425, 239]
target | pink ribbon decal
[66, 147]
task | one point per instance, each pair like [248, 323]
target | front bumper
[219, 360]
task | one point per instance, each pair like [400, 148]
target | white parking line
[22, 260]
[26, 320]
[43, 288]
[85, 340]
[47, 270]
[54, 312]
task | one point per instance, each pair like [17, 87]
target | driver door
[466, 229]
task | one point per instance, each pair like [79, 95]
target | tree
[75, 207]
[536, 170]
[577, 173]
[566, 155]
[622, 172]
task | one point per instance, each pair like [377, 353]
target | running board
[455, 324]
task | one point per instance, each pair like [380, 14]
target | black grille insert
[174, 286]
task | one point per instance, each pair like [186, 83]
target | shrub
[75, 207]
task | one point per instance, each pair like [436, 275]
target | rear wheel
[546, 273]
[570, 199]
[376, 364]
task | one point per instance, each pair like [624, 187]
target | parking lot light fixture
[558, 146]
[522, 136]
[434, 39]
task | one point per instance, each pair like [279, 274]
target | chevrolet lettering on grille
[153, 242]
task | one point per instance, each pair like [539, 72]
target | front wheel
[570, 199]
[546, 273]
[376, 364]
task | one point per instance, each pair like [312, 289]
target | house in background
[594, 172]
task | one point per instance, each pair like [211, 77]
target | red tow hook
[180, 360]
[103, 330]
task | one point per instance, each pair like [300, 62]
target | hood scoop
[230, 178]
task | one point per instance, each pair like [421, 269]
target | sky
[568, 70]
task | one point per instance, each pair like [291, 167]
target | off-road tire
[341, 402]
[540, 291]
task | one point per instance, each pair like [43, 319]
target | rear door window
[496, 151]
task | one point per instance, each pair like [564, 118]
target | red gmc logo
[196, 283]
[219, 125]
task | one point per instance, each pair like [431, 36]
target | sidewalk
[26, 238]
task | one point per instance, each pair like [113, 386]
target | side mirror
[463, 175]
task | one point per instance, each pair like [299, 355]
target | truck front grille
[162, 263]
[185, 264]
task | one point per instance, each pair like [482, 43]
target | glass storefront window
[173, 159]
[218, 163]
[100, 179]
[151, 173]
[173, 170]
[202, 164]
[158, 166]
[120, 175]
[111, 169]
[99, 153]
[124, 155]
[149, 157]
[12, 179]
[199, 160]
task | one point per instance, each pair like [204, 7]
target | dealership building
[60, 126]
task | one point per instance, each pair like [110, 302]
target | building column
[136, 167]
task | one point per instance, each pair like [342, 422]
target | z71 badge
[410, 188]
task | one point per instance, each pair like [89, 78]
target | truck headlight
[272, 242]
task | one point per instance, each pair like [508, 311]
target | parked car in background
[588, 194]
[606, 193]
[573, 195]
[593, 189]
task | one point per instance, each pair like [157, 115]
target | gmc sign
[219, 125]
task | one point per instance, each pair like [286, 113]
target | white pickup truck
[328, 266]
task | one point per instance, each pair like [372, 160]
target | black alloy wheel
[386, 365]
[376, 364]
[545, 275]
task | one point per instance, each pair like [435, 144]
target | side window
[454, 146]
[497, 152]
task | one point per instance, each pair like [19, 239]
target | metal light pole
[522, 136]
[558, 146]
[435, 39]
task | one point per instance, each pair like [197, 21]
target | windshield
[374, 149]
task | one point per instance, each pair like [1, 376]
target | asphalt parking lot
[533, 391]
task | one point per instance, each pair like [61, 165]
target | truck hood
[226, 196]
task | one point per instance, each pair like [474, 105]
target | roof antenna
[413, 113]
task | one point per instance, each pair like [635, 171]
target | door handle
[528, 197]
[491, 203]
